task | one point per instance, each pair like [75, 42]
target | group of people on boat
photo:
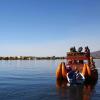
[80, 49]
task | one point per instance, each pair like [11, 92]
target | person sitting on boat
[71, 76]
[80, 49]
[73, 49]
[75, 77]
[87, 51]
[80, 52]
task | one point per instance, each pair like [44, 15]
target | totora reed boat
[79, 67]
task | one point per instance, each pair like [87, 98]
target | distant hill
[96, 54]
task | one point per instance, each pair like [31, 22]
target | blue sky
[48, 27]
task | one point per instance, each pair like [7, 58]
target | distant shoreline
[34, 58]
[30, 58]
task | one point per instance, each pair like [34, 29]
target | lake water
[36, 80]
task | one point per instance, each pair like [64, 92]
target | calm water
[35, 80]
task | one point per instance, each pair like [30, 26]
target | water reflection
[75, 92]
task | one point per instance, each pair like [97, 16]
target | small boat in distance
[79, 68]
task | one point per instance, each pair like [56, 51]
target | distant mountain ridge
[96, 54]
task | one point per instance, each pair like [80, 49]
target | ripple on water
[36, 80]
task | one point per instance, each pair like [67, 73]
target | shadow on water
[75, 92]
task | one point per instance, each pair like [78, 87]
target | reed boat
[78, 68]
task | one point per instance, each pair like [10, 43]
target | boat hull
[90, 73]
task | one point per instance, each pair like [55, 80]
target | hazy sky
[48, 27]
